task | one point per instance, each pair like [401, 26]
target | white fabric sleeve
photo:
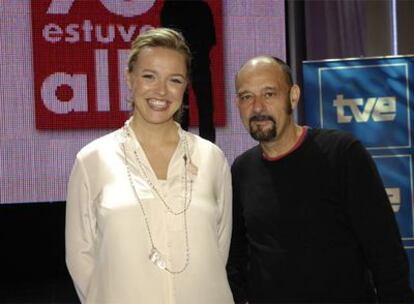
[79, 230]
[224, 200]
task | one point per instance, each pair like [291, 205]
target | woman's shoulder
[203, 145]
[104, 143]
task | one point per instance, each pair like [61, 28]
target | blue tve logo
[368, 101]
[379, 109]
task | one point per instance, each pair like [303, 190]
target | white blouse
[107, 240]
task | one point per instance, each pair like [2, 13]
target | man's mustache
[261, 118]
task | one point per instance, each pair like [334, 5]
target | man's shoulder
[248, 156]
[331, 137]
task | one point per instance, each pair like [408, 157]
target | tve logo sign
[379, 109]
[394, 195]
[395, 171]
[369, 100]
[80, 48]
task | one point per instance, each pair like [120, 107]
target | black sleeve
[237, 262]
[375, 227]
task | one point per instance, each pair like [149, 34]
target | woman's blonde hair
[160, 37]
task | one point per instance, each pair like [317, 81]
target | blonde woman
[148, 217]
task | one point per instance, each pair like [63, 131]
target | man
[311, 219]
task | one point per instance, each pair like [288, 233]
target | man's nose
[258, 104]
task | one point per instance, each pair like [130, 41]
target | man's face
[263, 100]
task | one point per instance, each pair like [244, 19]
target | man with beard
[311, 221]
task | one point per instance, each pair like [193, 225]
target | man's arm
[374, 223]
[238, 259]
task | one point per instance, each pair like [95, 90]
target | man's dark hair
[285, 68]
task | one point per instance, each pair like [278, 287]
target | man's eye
[269, 94]
[148, 76]
[245, 97]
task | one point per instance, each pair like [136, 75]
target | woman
[148, 217]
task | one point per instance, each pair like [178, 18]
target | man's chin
[263, 136]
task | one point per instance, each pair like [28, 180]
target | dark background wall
[331, 29]
[32, 254]
[358, 28]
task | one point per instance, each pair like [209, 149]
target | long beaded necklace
[155, 256]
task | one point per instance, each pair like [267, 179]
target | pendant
[192, 169]
[156, 258]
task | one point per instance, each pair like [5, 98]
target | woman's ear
[128, 78]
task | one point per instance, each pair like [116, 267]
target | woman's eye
[177, 80]
[148, 76]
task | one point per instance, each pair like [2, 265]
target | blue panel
[396, 173]
[371, 98]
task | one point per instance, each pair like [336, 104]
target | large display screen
[62, 80]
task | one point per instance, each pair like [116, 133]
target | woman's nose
[162, 87]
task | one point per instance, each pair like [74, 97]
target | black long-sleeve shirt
[315, 226]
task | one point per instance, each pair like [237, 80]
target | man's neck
[283, 144]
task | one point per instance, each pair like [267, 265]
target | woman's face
[157, 83]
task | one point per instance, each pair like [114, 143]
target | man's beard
[260, 134]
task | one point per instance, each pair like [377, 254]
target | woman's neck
[158, 141]
[149, 134]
